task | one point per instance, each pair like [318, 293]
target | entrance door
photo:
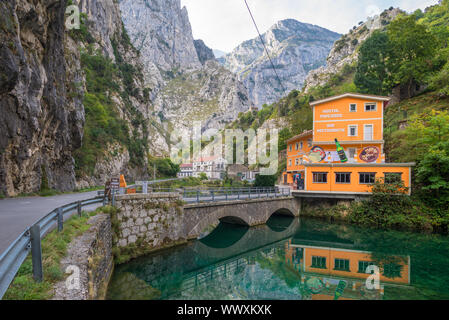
[368, 134]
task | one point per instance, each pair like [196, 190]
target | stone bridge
[198, 218]
[160, 220]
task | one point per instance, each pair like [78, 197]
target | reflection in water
[291, 259]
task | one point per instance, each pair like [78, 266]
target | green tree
[265, 181]
[428, 138]
[411, 54]
[284, 135]
[371, 70]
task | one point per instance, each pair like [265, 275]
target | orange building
[328, 266]
[357, 121]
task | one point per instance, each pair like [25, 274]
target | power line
[266, 50]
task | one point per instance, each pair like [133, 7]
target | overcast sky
[224, 24]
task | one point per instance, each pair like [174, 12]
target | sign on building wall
[317, 154]
[370, 154]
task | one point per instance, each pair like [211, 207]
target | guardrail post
[36, 253]
[79, 209]
[249, 193]
[213, 196]
[197, 196]
[60, 220]
[113, 199]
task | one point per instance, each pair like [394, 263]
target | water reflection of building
[323, 269]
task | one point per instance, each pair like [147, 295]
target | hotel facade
[357, 122]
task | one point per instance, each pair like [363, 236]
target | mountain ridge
[295, 48]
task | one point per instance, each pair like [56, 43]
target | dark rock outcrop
[41, 119]
[204, 52]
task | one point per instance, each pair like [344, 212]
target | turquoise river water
[291, 259]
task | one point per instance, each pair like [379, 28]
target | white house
[213, 167]
[186, 170]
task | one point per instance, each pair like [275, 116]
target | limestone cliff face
[295, 48]
[106, 27]
[40, 122]
[42, 89]
[345, 50]
[161, 31]
[187, 84]
[211, 94]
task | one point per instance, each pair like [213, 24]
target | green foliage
[403, 56]
[203, 176]
[440, 82]
[284, 135]
[428, 139]
[436, 18]
[165, 167]
[103, 125]
[372, 64]
[412, 49]
[265, 181]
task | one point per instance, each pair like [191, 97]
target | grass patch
[54, 249]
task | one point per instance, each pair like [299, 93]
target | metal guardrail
[30, 241]
[197, 195]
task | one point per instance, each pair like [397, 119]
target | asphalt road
[17, 214]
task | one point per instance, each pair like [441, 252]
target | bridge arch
[200, 217]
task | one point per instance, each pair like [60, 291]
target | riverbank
[382, 211]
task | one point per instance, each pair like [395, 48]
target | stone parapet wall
[147, 222]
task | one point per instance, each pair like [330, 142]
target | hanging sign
[370, 154]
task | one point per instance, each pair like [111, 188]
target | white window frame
[290, 147]
[372, 132]
[296, 162]
[356, 130]
[350, 107]
[301, 145]
[290, 162]
[371, 103]
[297, 146]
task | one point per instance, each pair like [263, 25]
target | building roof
[207, 159]
[302, 135]
[351, 95]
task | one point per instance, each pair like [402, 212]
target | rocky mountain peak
[295, 48]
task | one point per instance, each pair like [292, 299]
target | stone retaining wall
[90, 261]
[147, 222]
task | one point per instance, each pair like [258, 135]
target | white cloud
[224, 24]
